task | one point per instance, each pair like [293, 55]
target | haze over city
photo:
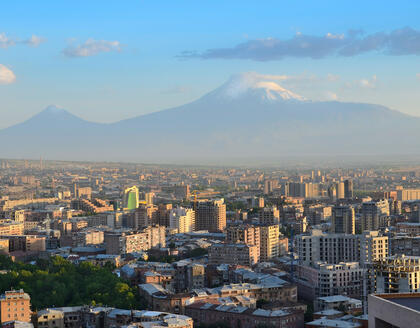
[209, 164]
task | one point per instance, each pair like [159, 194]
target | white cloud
[403, 41]
[329, 95]
[92, 47]
[6, 75]
[332, 77]
[368, 83]
[5, 41]
[418, 76]
[335, 36]
[34, 40]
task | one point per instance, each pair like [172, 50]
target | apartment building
[240, 316]
[182, 219]
[15, 305]
[335, 248]
[240, 254]
[269, 215]
[343, 220]
[405, 245]
[397, 274]
[373, 215]
[341, 279]
[269, 242]
[9, 228]
[210, 215]
[245, 234]
[126, 242]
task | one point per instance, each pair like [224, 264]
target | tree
[58, 282]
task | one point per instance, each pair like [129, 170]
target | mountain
[249, 117]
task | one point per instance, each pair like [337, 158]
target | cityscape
[224, 164]
[186, 246]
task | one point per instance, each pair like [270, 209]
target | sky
[110, 60]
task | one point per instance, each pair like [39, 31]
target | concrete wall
[391, 314]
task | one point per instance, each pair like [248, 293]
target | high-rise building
[373, 246]
[269, 215]
[397, 274]
[407, 245]
[305, 190]
[236, 254]
[269, 242]
[343, 220]
[340, 191]
[345, 278]
[18, 215]
[246, 234]
[373, 214]
[408, 194]
[348, 189]
[156, 236]
[182, 219]
[335, 248]
[125, 243]
[131, 198]
[148, 197]
[211, 215]
[144, 216]
[82, 192]
[11, 228]
[163, 213]
[269, 186]
[182, 191]
[15, 305]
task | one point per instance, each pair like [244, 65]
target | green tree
[58, 282]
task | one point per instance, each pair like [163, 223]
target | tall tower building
[182, 219]
[306, 190]
[340, 190]
[269, 186]
[348, 189]
[163, 214]
[148, 196]
[343, 220]
[131, 198]
[245, 234]
[373, 214]
[211, 215]
[269, 215]
[144, 216]
[269, 242]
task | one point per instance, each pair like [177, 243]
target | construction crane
[196, 194]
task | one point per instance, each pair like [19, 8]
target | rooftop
[323, 322]
[14, 294]
[408, 300]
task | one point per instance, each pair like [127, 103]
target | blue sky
[110, 60]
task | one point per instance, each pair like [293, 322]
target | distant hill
[246, 118]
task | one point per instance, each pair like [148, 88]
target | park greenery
[57, 282]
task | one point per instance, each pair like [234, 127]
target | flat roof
[410, 302]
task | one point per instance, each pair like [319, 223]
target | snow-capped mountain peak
[53, 109]
[261, 87]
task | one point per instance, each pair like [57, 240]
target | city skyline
[209, 164]
[119, 61]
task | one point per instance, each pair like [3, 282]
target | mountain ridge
[248, 116]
